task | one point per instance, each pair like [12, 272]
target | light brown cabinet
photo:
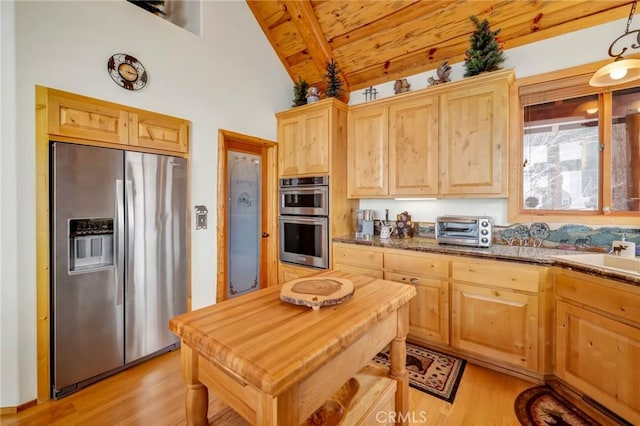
[311, 142]
[157, 131]
[367, 151]
[288, 272]
[498, 324]
[445, 141]
[598, 340]
[393, 148]
[429, 274]
[358, 260]
[306, 137]
[500, 311]
[88, 120]
[474, 136]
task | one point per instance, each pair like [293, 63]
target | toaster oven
[475, 231]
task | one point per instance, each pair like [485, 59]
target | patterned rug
[542, 406]
[429, 371]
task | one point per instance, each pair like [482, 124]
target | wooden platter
[316, 291]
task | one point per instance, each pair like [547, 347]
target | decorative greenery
[334, 83]
[485, 54]
[300, 92]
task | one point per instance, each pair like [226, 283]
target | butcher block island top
[276, 363]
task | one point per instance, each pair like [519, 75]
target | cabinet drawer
[513, 276]
[359, 270]
[357, 256]
[600, 294]
[416, 264]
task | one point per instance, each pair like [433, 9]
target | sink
[627, 265]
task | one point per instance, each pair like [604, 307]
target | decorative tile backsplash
[539, 234]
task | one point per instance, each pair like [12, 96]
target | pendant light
[620, 70]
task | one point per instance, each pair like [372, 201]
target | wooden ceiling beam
[307, 25]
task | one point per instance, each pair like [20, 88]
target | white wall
[229, 78]
[577, 48]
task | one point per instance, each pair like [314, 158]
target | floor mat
[542, 406]
[430, 371]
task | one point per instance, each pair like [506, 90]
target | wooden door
[413, 147]
[474, 132]
[268, 246]
[599, 356]
[290, 136]
[367, 152]
[496, 323]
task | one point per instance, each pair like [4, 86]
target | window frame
[548, 87]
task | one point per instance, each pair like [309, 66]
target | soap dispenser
[623, 247]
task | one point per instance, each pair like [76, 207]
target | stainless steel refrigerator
[119, 253]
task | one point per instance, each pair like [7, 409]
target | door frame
[270, 151]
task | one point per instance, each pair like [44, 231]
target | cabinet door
[495, 323]
[289, 141]
[429, 310]
[600, 357]
[413, 147]
[474, 139]
[157, 131]
[314, 150]
[367, 151]
[91, 121]
[303, 142]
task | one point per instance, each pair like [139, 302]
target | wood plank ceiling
[379, 41]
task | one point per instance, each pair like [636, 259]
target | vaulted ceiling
[375, 41]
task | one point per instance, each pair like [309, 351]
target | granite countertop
[535, 255]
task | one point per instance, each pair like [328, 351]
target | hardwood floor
[153, 394]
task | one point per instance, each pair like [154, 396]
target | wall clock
[127, 71]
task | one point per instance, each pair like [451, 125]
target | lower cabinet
[429, 310]
[358, 260]
[598, 340]
[495, 323]
[501, 311]
[288, 272]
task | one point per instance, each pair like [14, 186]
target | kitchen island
[275, 363]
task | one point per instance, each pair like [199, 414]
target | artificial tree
[485, 54]
[334, 82]
[300, 92]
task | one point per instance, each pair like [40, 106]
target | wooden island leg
[398, 370]
[197, 398]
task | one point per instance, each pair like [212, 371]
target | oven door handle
[301, 219]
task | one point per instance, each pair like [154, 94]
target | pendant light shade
[620, 70]
[616, 72]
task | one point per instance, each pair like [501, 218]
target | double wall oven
[304, 221]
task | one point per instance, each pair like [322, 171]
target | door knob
[265, 235]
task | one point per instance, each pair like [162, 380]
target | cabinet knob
[415, 281]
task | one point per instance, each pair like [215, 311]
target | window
[579, 153]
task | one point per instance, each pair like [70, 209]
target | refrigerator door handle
[130, 240]
[119, 242]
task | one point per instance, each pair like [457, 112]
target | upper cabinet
[367, 150]
[474, 136]
[82, 119]
[307, 136]
[448, 140]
